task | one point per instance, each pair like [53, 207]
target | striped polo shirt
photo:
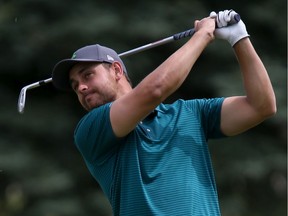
[163, 166]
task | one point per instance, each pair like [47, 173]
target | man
[152, 158]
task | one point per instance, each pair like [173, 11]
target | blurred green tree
[42, 173]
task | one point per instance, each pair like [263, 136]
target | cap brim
[60, 74]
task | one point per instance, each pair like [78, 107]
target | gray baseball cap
[91, 53]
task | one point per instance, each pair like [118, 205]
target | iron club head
[22, 100]
[22, 95]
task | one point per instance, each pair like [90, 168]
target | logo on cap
[110, 58]
[73, 56]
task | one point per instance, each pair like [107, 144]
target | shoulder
[98, 114]
[96, 120]
[94, 136]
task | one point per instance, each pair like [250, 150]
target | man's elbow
[270, 109]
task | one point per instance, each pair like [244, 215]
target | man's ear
[119, 72]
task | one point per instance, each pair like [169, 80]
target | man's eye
[88, 74]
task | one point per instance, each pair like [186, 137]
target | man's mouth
[87, 98]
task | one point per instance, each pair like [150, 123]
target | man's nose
[82, 87]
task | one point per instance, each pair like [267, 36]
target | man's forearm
[169, 76]
[177, 67]
[257, 83]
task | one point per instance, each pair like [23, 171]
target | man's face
[94, 84]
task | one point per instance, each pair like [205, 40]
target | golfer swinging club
[152, 158]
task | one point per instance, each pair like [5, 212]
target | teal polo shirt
[163, 166]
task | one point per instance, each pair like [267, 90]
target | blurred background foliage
[42, 173]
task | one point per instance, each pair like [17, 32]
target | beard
[94, 100]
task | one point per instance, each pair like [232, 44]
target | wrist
[240, 41]
[204, 36]
[242, 45]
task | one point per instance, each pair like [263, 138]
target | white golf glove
[232, 33]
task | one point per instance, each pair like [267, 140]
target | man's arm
[241, 113]
[131, 108]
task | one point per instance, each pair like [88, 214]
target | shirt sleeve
[209, 112]
[94, 136]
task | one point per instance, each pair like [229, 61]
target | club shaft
[39, 83]
[146, 47]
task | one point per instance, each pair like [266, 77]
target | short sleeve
[94, 136]
[210, 115]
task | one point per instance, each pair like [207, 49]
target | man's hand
[206, 26]
[231, 33]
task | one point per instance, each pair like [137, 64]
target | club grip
[184, 34]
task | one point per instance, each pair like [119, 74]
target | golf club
[188, 33]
